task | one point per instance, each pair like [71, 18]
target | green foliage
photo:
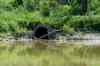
[68, 29]
[75, 4]
[17, 3]
[3, 27]
[85, 23]
[29, 5]
[94, 7]
[16, 15]
[44, 8]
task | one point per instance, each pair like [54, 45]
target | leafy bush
[85, 23]
[68, 29]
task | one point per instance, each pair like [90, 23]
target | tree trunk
[83, 6]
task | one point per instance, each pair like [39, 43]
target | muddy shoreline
[28, 36]
[86, 38]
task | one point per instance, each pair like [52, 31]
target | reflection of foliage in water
[68, 54]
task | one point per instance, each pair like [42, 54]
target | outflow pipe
[45, 32]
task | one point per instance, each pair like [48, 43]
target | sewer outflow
[44, 32]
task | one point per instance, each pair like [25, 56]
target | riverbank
[59, 36]
[79, 38]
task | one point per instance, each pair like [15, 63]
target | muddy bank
[64, 36]
[79, 38]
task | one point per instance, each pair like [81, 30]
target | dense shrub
[68, 29]
[85, 23]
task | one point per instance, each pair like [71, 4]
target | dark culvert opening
[41, 32]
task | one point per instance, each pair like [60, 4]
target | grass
[67, 55]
